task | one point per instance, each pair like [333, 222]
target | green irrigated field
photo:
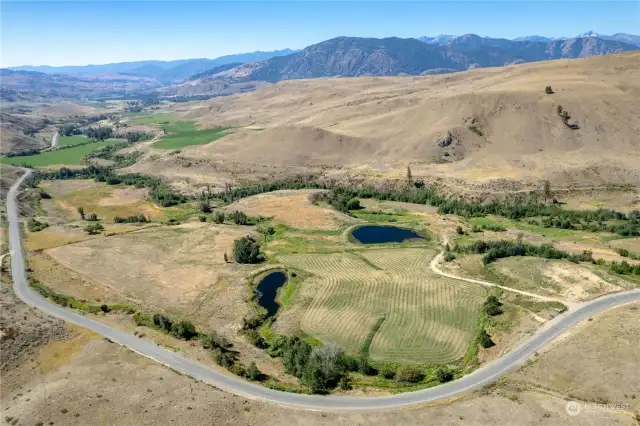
[72, 155]
[71, 140]
[428, 318]
[183, 138]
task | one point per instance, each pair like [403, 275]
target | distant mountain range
[338, 57]
[443, 39]
[352, 56]
[166, 72]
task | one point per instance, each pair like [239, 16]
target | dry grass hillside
[501, 122]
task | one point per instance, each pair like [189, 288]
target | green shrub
[388, 371]
[142, 319]
[239, 218]
[218, 217]
[162, 322]
[448, 256]
[223, 358]
[345, 383]
[443, 374]
[410, 374]
[34, 225]
[184, 330]
[93, 228]
[353, 204]
[238, 370]
[492, 306]
[485, 340]
[253, 373]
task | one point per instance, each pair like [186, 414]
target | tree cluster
[494, 250]
[247, 250]
[319, 368]
[492, 306]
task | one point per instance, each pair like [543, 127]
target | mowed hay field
[428, 318]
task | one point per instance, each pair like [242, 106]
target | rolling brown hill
[503, 126]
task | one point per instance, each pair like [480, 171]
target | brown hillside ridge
[477, 126]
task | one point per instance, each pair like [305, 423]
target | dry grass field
[95, 197]
[428, 318]
[504, 127]
[293, 209]
[179, 270]
[604, 358]
[631, 244]
[562, 278]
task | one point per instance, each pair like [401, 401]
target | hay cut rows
[428, 318]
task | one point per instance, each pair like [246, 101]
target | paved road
[54, 140]
[233, 384]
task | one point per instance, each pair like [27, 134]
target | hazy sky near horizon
[93, 32]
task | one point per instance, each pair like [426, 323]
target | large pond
[375, 234]
[268, 289]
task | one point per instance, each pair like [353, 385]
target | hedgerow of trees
[494, 250]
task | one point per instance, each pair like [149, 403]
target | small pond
[267, 290]
[375, 234]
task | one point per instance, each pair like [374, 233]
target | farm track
[473, 381]
[439, 258]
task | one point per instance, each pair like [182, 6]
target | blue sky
[80, 33]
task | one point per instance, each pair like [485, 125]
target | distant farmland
[64, 141]
[192, 137]
[427, 318]
[69, 156]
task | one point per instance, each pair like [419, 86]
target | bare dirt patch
[573, 282]
[579, 283]
[23, 330]
[292, 208]
[123, 196]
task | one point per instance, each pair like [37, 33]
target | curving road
[233, 384]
